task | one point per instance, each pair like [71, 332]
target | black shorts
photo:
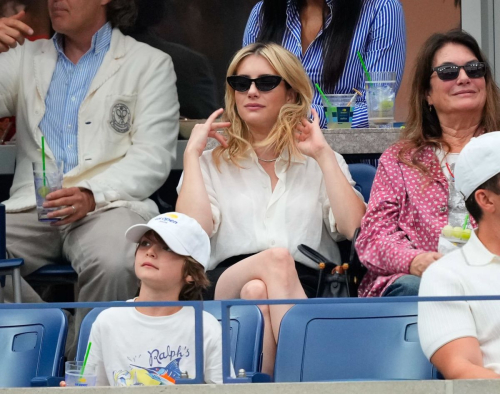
[308, 276]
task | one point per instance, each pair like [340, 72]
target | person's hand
[13, 32]
[199, 136]
[421, 261]
[75, 203]
[310, 139]
[62, 383]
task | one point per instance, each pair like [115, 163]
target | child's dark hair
[192, 290]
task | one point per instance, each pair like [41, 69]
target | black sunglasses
[264, 84]
[450, 72]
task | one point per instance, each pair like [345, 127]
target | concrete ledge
[394, 387]
[343, 141]
[361, 141]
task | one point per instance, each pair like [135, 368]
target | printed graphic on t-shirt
[153, 368]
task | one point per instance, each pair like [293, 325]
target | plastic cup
[380, 96]
[338, 114]
[74, 378]
[45, 183]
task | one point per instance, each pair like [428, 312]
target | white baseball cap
[478, 162]
[182, 234]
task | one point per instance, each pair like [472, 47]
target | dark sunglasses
[450, 72]
[264, 84]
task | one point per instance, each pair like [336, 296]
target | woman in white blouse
[274, 184]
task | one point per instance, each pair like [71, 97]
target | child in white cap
[462, 339]
[153, 346]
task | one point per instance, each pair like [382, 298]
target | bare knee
[254, 290]
[281, 258]
[281, 266]
[281, 263]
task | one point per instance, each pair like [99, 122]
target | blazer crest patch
[120, 118]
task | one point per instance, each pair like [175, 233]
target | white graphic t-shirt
[133, 349]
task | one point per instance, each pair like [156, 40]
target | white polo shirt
[472, 270]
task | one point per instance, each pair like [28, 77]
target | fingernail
[30, 32]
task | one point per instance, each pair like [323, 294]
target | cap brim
[135, 233]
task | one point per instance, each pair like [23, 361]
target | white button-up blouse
[249, 217]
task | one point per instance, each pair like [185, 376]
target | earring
[430, 108]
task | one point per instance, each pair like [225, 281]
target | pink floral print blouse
[404, 218]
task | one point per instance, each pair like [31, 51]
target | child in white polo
[154, 346]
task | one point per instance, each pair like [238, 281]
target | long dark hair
[422, 126]
[338, 35]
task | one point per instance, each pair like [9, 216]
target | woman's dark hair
[493, 185]
[121, 13]
[338, 35]
[192, 290]
[422, 126]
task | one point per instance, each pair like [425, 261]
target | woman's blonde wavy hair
[281, 138]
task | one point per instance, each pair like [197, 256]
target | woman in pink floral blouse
[454, 97]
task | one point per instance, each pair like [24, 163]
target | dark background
[212, 27]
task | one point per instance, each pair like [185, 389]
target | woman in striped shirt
[326, 36]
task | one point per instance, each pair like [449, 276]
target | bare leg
[276, 268]
[256, 290]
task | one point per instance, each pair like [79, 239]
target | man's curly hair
[121, 13]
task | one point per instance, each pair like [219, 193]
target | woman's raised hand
[310, 139]
[199, 136]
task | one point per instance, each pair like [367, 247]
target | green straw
[323, 95]
[43, 159]
[465, 221]
[85, 360]
[367, 74]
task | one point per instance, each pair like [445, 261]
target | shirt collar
[100, 40]
[292, 12]
[329, 3]
[476, 254]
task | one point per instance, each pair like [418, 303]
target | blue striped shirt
[380, 37]
[68, 88]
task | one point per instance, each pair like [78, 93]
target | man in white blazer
[108, 109]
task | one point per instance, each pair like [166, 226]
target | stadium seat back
[363, 174]
[31, 345]
[351, 342]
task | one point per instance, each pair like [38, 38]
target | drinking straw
[82, 371]
[43, 159]
[465, 221]
[367, 74]
[352, 99]
[357, 92]
[323, 95]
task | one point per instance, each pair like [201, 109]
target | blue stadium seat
[8, 266]
[31, 344]
[247, 332]
[351, 341]
[53, 274]
[363, 175]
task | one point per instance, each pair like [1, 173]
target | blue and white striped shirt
[68, 88]
[380, 37]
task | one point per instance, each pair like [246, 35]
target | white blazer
[123, 161]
